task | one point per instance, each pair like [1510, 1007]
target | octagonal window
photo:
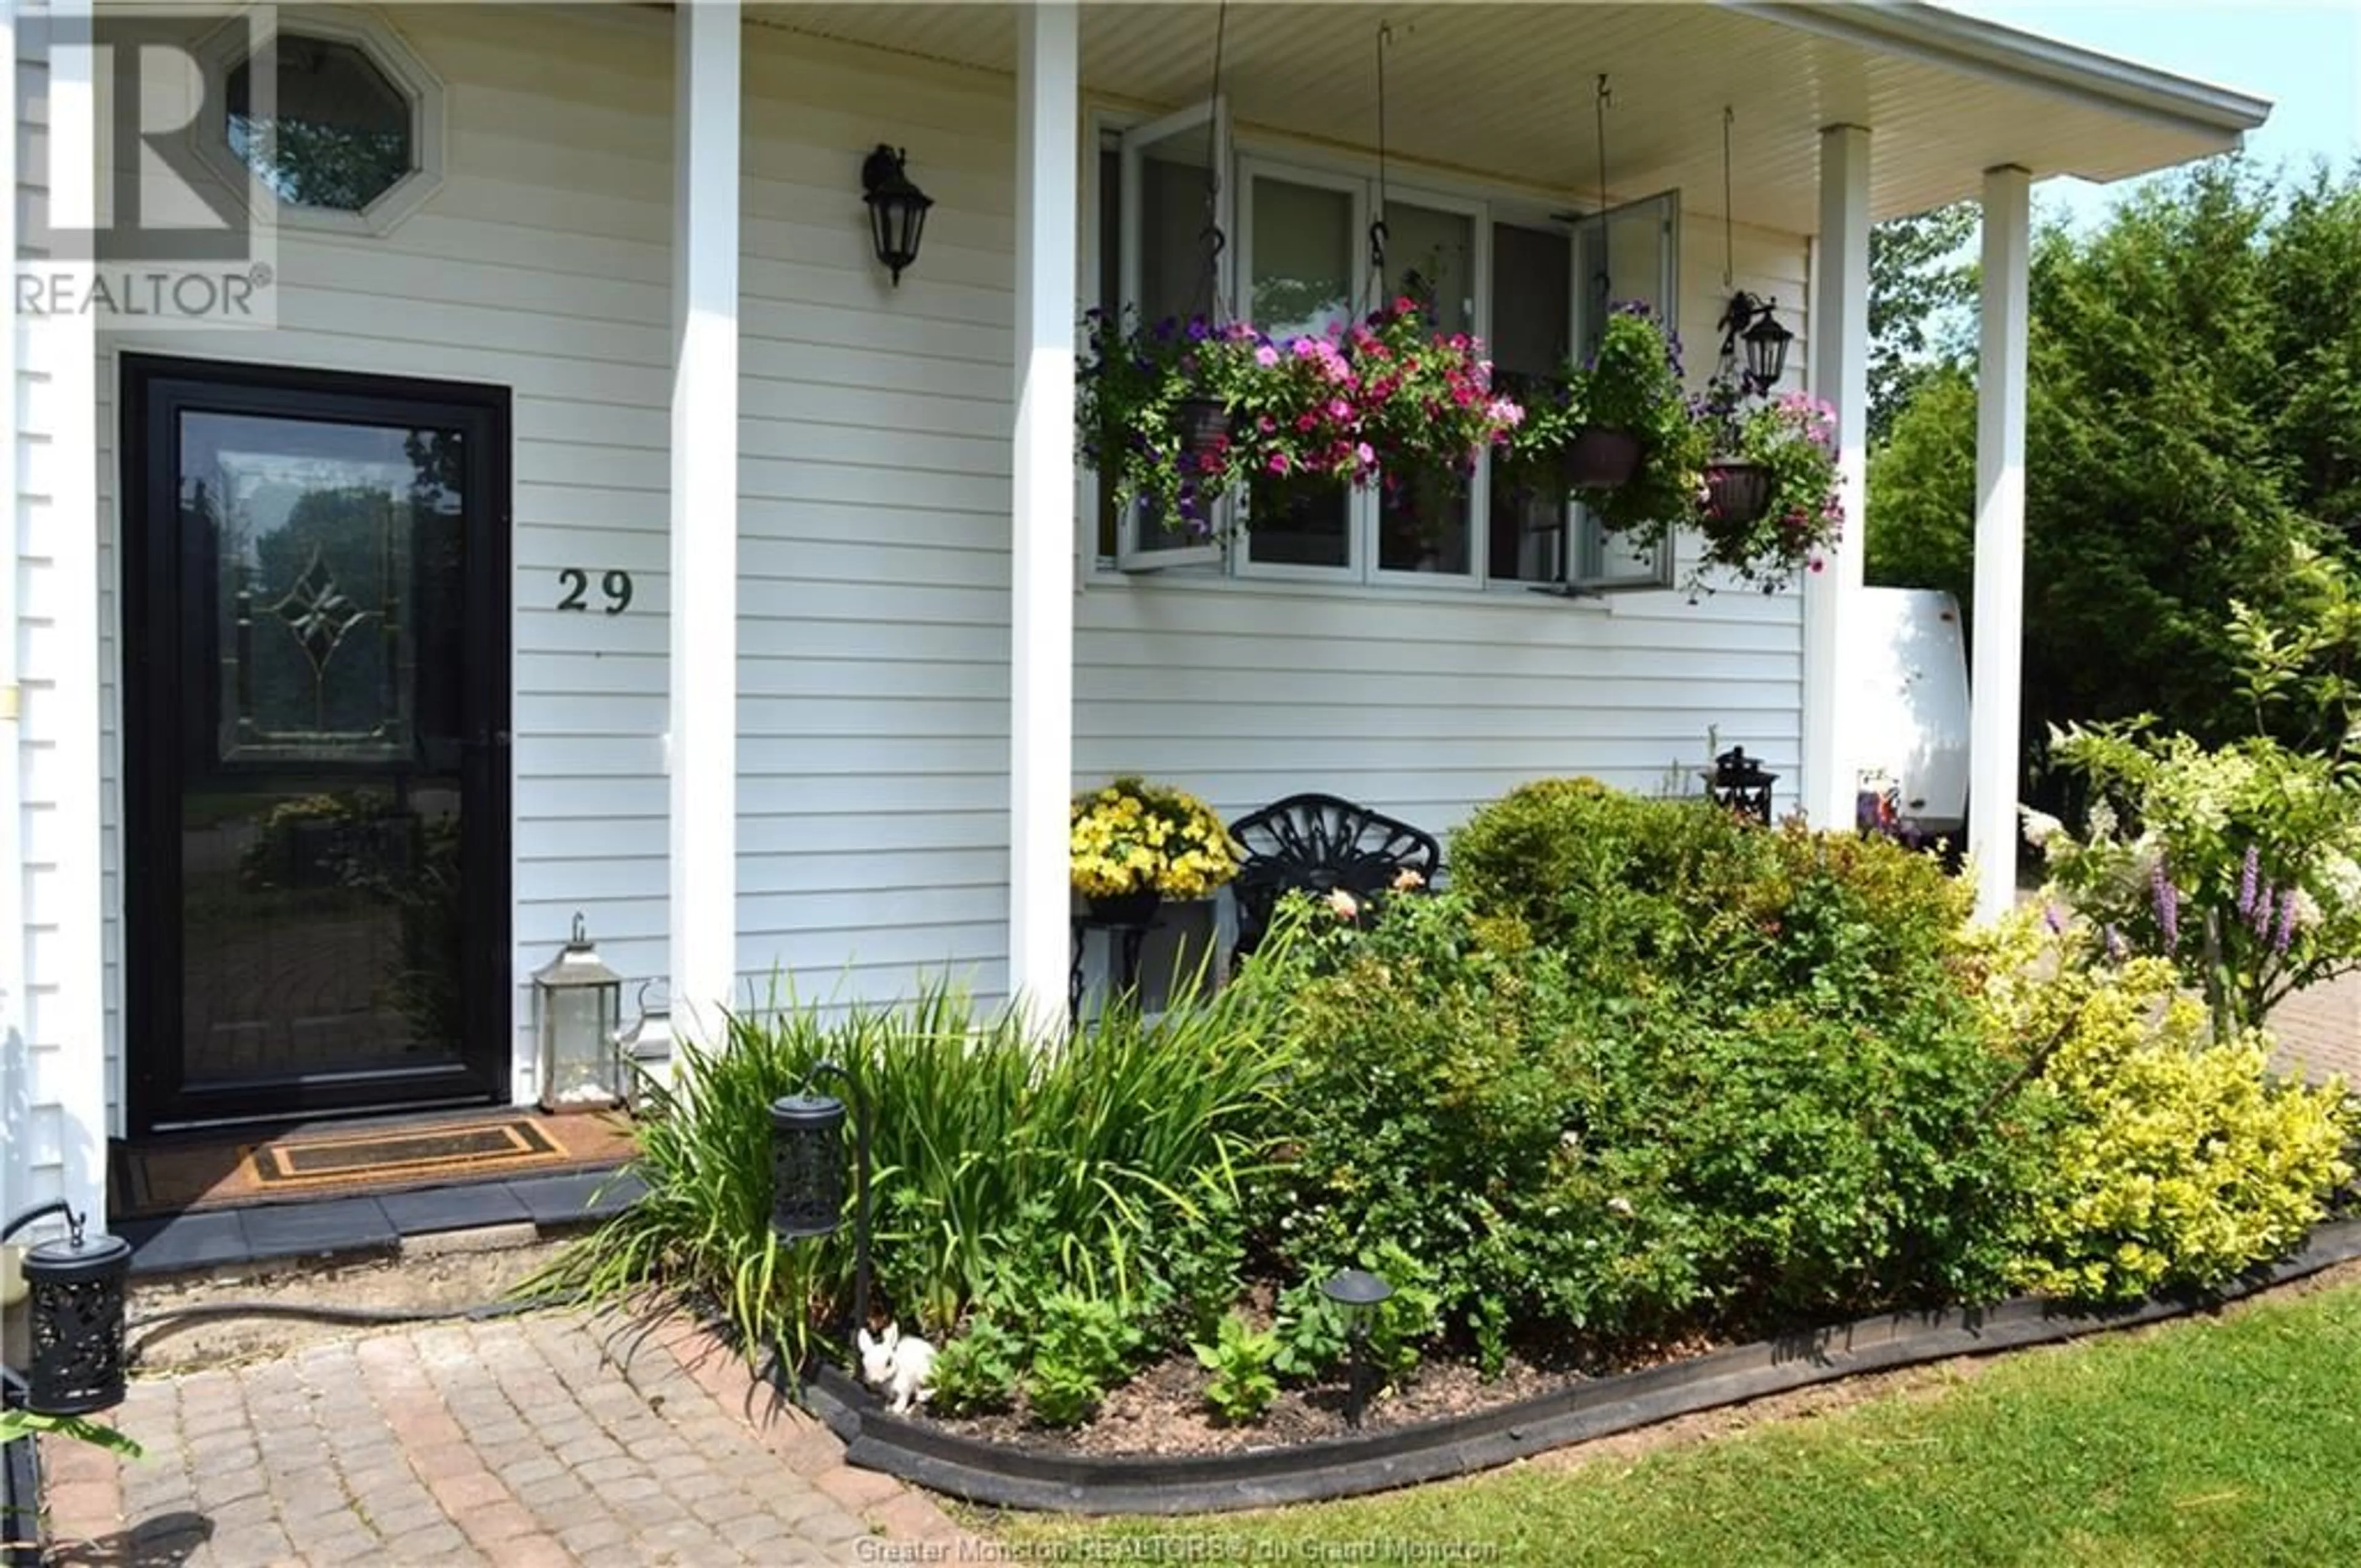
[340, 134]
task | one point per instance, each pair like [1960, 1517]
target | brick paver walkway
[550, 1439]
[2319, 1031]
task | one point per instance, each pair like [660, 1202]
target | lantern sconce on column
[1752, 326]
[76, 1291]
[807, 1172]
[897, 209]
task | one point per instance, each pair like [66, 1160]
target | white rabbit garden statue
[902, 1364]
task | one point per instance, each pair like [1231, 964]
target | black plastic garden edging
[1003, 1476]
[20, 1505]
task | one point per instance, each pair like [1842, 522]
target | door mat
[178, 1177]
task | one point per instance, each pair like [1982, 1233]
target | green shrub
[1240, 1358]
[1726, 1149]
[2173, 1159]
[979, 1370]
[1005, 1167]
[1676, 898]
[1081, 1344]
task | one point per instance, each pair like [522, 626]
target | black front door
[315, 743]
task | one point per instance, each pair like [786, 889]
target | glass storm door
[316, 734]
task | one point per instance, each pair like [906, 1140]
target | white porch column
[702, 748]
[1839, 368]
[65, 1043]
[1998, 630]
[1041, 653]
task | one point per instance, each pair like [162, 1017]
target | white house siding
[1426, 704]
[875, 571]
[52, 1071]
[544, 265]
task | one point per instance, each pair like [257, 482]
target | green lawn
[2229, 1441]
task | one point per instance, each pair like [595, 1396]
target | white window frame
[1131, 555]
[1588, 544]
[1479, 213]
[1360, 504]
[1227, 554]
[228, 46]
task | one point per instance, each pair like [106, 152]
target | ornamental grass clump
[1007, 1167]
[1132, 837]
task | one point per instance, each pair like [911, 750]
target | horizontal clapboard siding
[1426, 704]
[874, 475]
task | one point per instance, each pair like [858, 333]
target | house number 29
[615, 584]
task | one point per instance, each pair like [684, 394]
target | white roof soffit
[2009, 54]
[1504, 90]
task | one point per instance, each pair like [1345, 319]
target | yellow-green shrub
[2175, 1160]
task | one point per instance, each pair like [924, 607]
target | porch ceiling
[1506, 89]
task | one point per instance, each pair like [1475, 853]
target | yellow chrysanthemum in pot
[1132, 838]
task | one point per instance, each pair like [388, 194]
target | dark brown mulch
[1163, 1412]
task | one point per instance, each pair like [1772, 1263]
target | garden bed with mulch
[1418, 1438]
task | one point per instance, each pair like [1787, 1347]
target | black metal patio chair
[1319, 843]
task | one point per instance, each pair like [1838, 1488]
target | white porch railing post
[1041, 654]
[702, 748]
[1998, 628]
[1839, 370]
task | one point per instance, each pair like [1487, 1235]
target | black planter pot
[1204, 426]
[1736, 492]
[1124, 908]
[1601, 459]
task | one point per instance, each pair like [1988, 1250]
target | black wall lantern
[897, 209]
[76, 1291]
[1359, 1293]
[807, 1172]
[1752, 326]
[1742, 784]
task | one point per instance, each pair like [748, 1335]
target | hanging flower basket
[1204, 426]
[1598, 459]
[1737, 492]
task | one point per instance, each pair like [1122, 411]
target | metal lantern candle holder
[807, 1172]
[577, 1004]
[75, 1292]
[897, 209]
[1359, 1293]
[1742, 784]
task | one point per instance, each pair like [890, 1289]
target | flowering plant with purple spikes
[2240, 864]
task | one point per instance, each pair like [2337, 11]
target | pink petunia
[1265, 356]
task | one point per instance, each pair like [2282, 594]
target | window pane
[1302, 260]
[340, 137]
[1531, 329]
[1175, 278]
[1430, 259]
[1303, 286]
